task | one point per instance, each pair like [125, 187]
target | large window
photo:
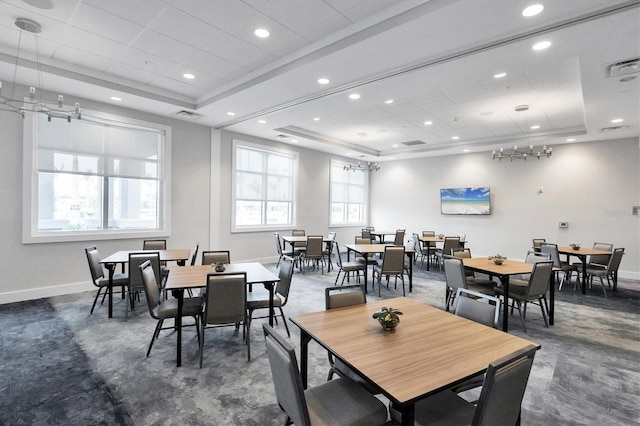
[348, 195]
[94, 178]
[264, 187]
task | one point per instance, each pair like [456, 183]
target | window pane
[356, 194]
[133, 203]
[279, 165]
[339, 174]
[249, 160]
[279, 188]
[248, 186]
[337, 213]
[278, 213]
[68, 202]
[248, 213]
[355, 213]
[348, 195]
[340, 193]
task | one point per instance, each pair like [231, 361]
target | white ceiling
[436, 60]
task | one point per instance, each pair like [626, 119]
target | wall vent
[188, 115]
[627, 67]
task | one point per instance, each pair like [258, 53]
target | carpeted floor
[62, 366]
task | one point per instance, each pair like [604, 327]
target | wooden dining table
[368, 249]
[503, 272]
[435, 240]
[184, 277]
[582, 254]
[122, 257]
[429, 351]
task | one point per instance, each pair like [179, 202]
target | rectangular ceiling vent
[413, 143]
[613, 128]
[188, 115]
[622, 68]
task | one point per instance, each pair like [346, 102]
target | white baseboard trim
[42, 292]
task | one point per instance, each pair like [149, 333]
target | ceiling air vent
[618, 69]
[188, 115]
[613, 128]
[413, 143]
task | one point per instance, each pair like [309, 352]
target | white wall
[593, 186]
[29, 271]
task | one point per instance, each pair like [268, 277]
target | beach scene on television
[465, 200]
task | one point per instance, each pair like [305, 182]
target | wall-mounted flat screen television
[473, 201]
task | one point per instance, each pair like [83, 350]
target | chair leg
[524, 327]
[544, 315]
[603, 288]
[156, 332]
[201, 348]
[284, 320]
[96, 299]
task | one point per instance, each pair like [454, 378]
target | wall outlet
[563, 224]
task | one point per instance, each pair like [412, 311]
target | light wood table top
[428, 351]
[122, 256]
[181, 277]
[583, 251]
[301, 238]
[509, 267]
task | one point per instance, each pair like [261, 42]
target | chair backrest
[428, 233]
[503, 389]
[314, 246]
[286, 377]
[331, 236]
[360, 240]
[298, 233]
[416, 242]
[537, 242]
[614, 261]
[226, 298]
[344, 295]
[463, 238]
[477, 307]
[399, 238]
[462, 253]
[151, 290]
[93, 258]
[136, 282]
[154, 245]
[601, 259]
[336, 249]
[454, 273]
[366, 233]
[393, 260]
[211, 257]
[285, 273]
[539, 279]
[371, 228]
[450, 243]
[194, 254]
[535, 257]
[276, 237]
[552, 251]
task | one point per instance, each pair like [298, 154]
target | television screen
[465, 200]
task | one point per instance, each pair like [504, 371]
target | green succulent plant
[388, 317]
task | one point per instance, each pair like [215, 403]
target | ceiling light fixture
[323, 81]
[369, 167]
[522, 154]
[617, 120]
[571, 140]
[535, 127]
[188, 76]
[388, 101]
[541, 45]
[52, 109]
[262, 121]
[261, 32]
[316, 119]
[231, 113]
[455, 138]
[354, 96]
[500, 75]
[115, 98]
[428, 123]
[532, 10]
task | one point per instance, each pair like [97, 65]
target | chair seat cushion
[169, 308]
[444, 408]
[353, 266]
[481, 281]
[261, 300]
[118, 280]
[355, 405]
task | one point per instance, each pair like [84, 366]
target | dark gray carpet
[61, 365]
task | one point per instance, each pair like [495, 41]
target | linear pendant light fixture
[369, 167]
[53, 109]
[522, 154]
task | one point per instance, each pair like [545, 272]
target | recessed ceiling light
[316, 119]
[262, 121]
[261, 32]
[617, 120]
[428, 123]
[465, 150]
[188, 76]
[388, 101]
[294, 140]
[541, 45]
[455, 138]
[231, 113]
[395, 145]
[349, 154]
[115, 98]
[571, 140]
[534, 127]
[354, 96]
[500, 75]
[323, 81]
[532, 10]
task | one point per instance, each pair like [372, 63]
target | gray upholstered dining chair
[500, 399]
[359, 257]
[97, 275]
[456, 277]
[392, 265]
[226, 305]
[211, 257]
[398, 240]
[336, 402]
[327, 250]
[465, 253]
[537, 242]
[136, 282]
[258, 300]
[347, 269]
[194, 254]
[450, 244]
[534, 292]
[564, 268]
[162, 310]
[157, 245]
[314, 254]
[609, 272]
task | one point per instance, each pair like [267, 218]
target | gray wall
[593, 186]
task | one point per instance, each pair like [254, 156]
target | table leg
[505, 314]
[179, 294]
[583, 259]
[366, 267]
[304, 356]
[111, 267]
[552, 297]
[407, 413]
[411, 272]
[271, 291]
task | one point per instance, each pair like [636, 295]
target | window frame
[30, 232]
[236, 144]
[342, 164]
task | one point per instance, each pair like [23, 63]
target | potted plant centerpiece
[388, 317]
[498, 259]
[219, 267]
